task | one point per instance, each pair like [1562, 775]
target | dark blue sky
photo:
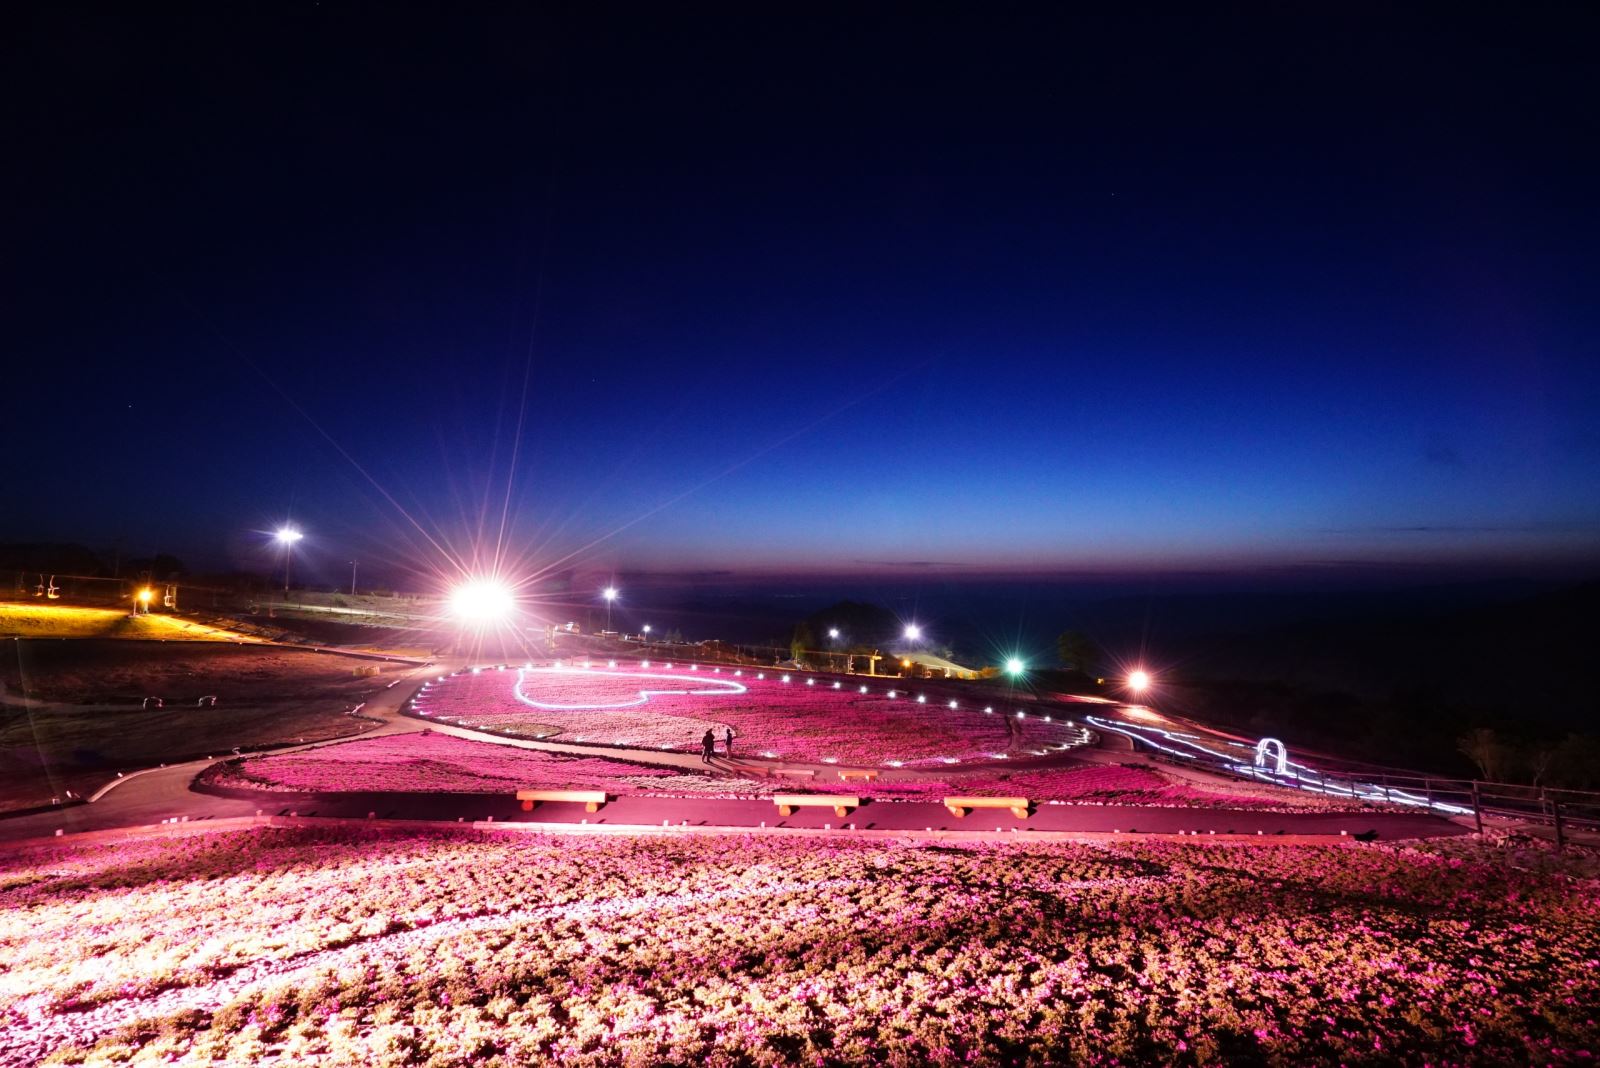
[883, 293]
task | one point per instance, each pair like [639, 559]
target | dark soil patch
[265, 697]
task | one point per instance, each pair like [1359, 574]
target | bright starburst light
[482, 601]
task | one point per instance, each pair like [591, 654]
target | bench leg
[527, 806]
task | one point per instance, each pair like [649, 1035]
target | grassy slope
[32, 620]
[266, 695]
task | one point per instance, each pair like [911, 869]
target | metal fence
[1562, 810]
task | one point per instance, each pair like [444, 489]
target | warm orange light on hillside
[145, 595]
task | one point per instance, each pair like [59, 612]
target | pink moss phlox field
[359, 946]
[806, 719]
[440, 763]
[1103, 784]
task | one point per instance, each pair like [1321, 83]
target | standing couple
[708, 745]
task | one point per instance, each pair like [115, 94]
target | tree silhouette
[801, 641]
[1485, 748]
[1079, 652]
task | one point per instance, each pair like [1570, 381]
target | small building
[920, 664]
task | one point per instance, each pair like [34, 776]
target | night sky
[826, 291]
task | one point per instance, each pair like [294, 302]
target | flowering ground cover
[1101, 784]
[366, 947]
[440, 763]
[806, 718]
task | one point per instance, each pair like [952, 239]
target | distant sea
[987, 621]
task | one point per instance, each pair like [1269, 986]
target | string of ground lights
[1283, 772]
[668, 705]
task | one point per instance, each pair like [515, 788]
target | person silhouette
[727, 740]
[708, 747]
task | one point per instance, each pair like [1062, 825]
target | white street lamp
[610, 594]
[287, 536]
[482, 601]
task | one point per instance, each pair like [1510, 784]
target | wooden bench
[862, 774]
[796, 773]
[840, 804]
[958, 806]
[591, 800]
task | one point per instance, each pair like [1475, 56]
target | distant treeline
[1500, 691]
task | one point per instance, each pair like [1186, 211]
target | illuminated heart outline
[644, 695]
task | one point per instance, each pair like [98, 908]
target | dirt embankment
[93, 725]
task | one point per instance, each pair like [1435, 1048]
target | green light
[1015, 666]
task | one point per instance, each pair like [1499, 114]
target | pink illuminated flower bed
[815, 722]
[439, 763]
[1107, 784]
[1098, 784]
[364, 947]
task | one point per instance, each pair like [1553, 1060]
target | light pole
[913, 635]
[480, 604]
[288, 536]
[352, 578]
[481, 601]
[610, 594]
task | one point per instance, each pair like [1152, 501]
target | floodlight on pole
[481, 601]
[913, 632]
[1138, 680]
[1015, 666]
[610, 594]
[287, 536]
[833, 633]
